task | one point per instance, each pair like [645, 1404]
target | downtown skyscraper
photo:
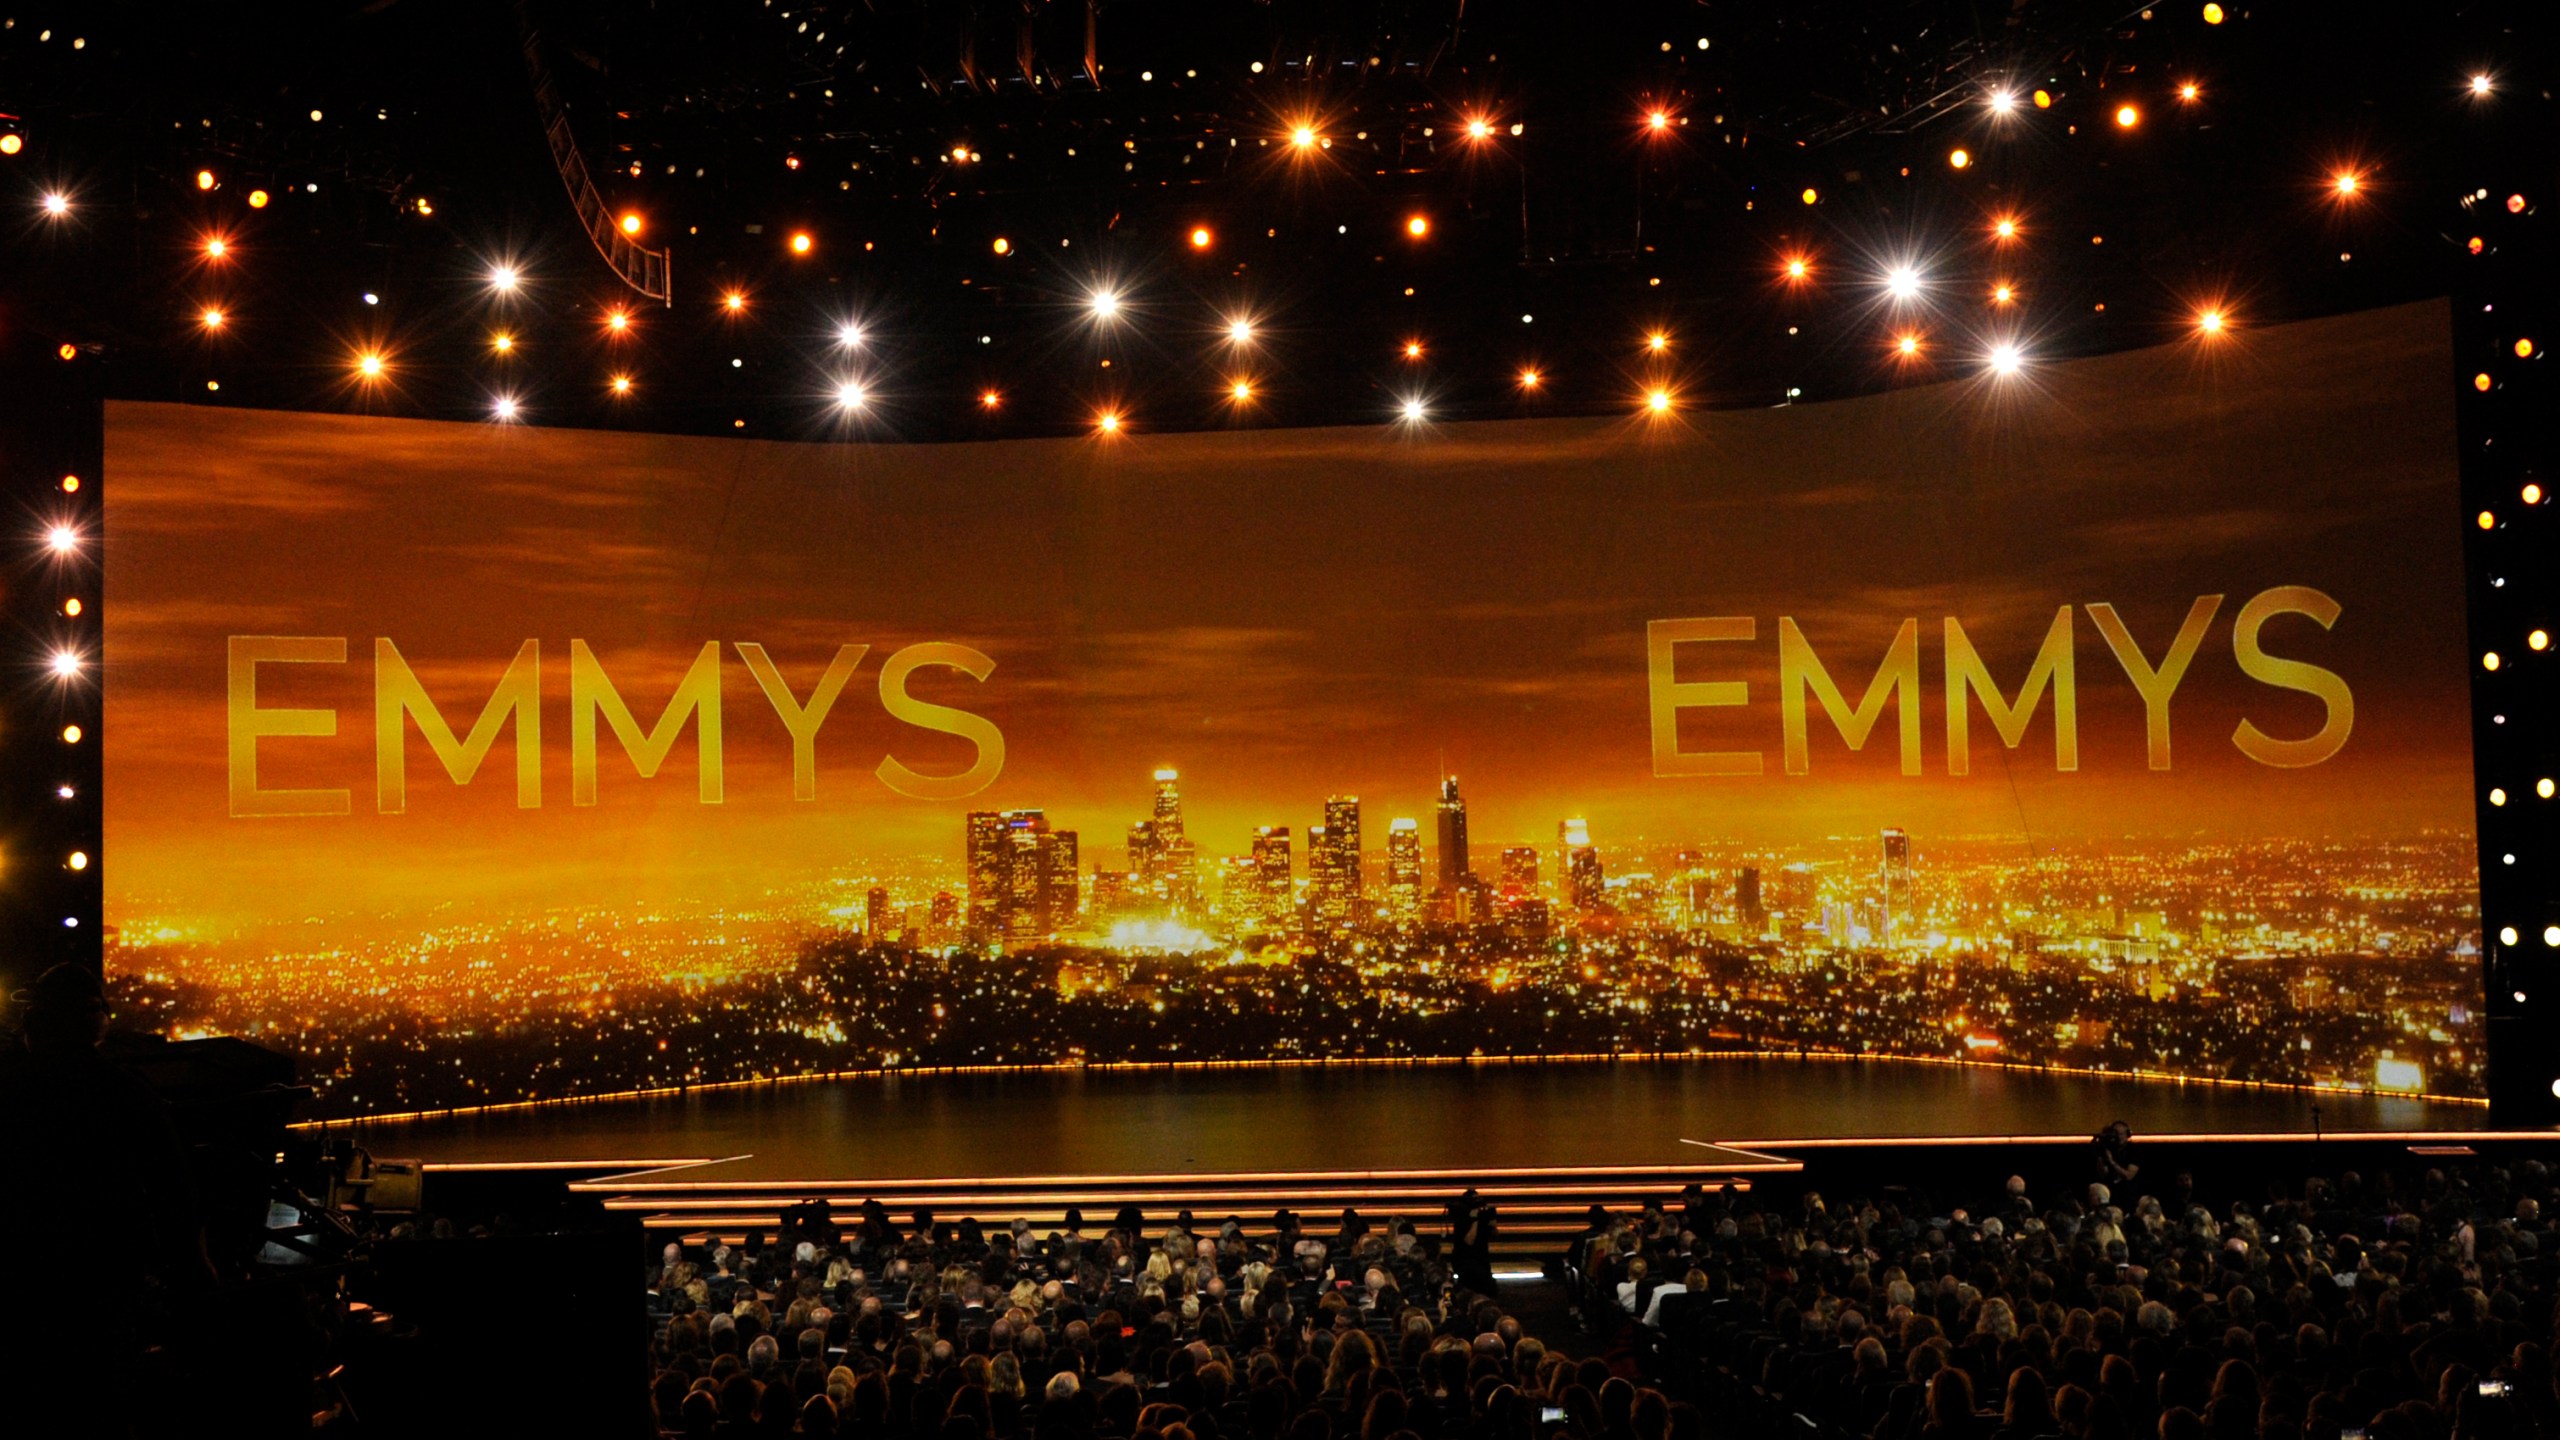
[1333, 863]
[1453, 836]
[1404, 868]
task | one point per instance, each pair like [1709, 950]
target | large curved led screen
[2109, 714]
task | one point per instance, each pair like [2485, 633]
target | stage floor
[1354, 1118]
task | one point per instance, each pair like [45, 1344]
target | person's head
[1951, 1397]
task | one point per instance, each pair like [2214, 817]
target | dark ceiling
[402, 150]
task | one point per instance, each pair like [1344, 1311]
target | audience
[2415, 1307]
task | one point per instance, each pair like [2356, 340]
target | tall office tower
[1453, 834]
[1746, 897]
[1177, 877]
[1338, 885]
[987, 858]
[1061, 899]
[1404, 867]
[1897, 878]
[1144, 848]
[1168, 814]
[1110, 898]
[943, 918]
[875, 916]
[1520, 868]
[1581, 864]
[1019, 913]
[1273, 898]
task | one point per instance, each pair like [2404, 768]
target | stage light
[65, 791]
[2538, 640]
[1413, 409]
[1657, 342]
[1240, 330]
[2209, 322]
[1959, 158]
[1811, 195]
[2507, 936]
[1413, 349]
[216, 248]
[2043, 99]
[1417, 226]
[504, 279]
[801, 242]
[62, 539]
[2128, 116]
[2003, 101]
[2544, 787]
[211, 319]
[1479, 128]
[72, 607]
[1903, 282]
[2346, 183]
[621, 385]
[369, 365]
[71, 486]
[2212, 14]
[65, 664]
[1241, 391]
[2005, 228]
[2189, 91]
[2532, 494]
[2490, 661]
[2524, 349]
[1108, 422]
[2003, 293]
[2006, 358]
[1657, 121]
[2480, 84]
[205, 180]
[1302, 137]
[67, 351]
[850, 396]
[989, 399]
[1797, 268]
[12, 143]
[503, 343]
[257, 199]
[503, 408]
[617, 321]
[1105, 304]
[849, 334]
[1658, 401]
[57, 204]
[631, 222]
[1907, 347]
[1200, 237]
[2481, 382]
[734, 302]
[1529, 379]
[71, 734]
[1002, 246]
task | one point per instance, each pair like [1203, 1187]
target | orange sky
[1283, 615]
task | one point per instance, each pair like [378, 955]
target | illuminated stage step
[1538, 1208]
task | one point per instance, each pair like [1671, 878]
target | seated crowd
[2400, 1307]
[2395, 1307]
